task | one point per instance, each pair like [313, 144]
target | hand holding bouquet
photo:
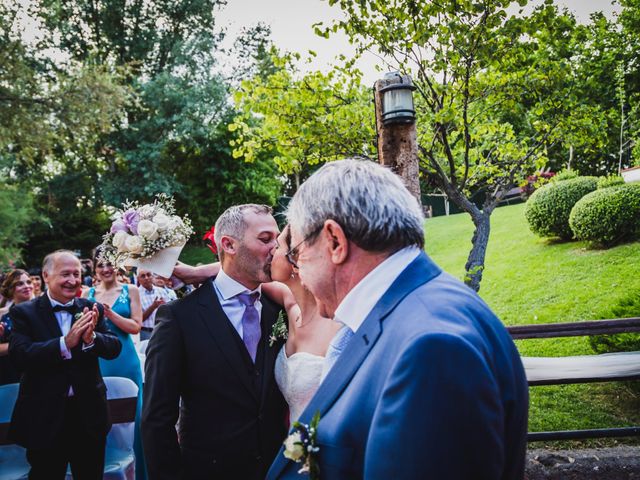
[150, 236]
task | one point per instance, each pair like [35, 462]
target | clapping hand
[78, 329]
[1, 329]
[158, 301]
[88, 335]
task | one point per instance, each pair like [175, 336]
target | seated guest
[17, 287]
[61, 414]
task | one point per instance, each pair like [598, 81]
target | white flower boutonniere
[279, 330]
[300, 446]
[77, 316]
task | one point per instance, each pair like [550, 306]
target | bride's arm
[199, 274]
[281, 294]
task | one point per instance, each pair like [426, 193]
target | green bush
[563, 175]
[548, 209]
[610, 181]
[607, 216]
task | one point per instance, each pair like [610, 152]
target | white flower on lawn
[134, 244]
[119, 241]
[293, 448]
[161, 220]
[148, 229]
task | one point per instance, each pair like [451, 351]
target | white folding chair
[120, 460]
[13, 458]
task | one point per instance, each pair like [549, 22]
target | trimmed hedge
[607, 216]
[548, 208]
[610, 181]
[563, 175]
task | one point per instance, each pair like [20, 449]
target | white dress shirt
[357, 305]
[147, 297]
[227, 290]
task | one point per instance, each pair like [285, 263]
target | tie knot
[248, 299]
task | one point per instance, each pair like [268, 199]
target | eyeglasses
[294, 251]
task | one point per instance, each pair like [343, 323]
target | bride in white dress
[299, 363]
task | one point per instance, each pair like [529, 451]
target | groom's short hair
[369, 202]
[233, 224]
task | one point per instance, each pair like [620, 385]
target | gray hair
[232, 223]
[369, 202]
[50, 259]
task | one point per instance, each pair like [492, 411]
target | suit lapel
[268, 318]
[217, 323]
[48, 317]
[417, 273]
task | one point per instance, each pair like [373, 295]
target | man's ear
[229, 245]
[337, 242]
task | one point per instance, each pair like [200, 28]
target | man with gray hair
[422, 380]
[61, 415]
[210, 350]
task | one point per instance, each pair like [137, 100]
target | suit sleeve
[163, 366]
[439, 415]
[26, 353]
[107, 345]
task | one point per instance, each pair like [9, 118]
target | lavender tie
[250, 323]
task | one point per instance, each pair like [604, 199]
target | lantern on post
[397, 100]
[396, 128]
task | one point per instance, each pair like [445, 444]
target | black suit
[44, 413]
[233, 417]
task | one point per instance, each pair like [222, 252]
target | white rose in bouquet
[119, 240]
[146, 211]
[148, 229]
[162, 221]
[134, 244]
[174, 222]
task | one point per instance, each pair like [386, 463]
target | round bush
[563, 175]
[607, 216]
[610, 181]
[548, 209]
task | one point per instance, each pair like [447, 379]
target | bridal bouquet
[149, 236]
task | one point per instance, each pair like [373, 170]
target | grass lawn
[532, 280]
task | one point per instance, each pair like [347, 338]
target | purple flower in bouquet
[131, 220]
[118, 226]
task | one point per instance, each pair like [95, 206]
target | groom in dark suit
[210, 355]
[61, 415]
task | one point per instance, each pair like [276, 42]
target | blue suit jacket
[430, 386]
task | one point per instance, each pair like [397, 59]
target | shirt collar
[359, 302]
[55, 302]
[229, 287]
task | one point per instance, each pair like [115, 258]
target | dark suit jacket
[429, 386]
[35, 349]
[232, 416]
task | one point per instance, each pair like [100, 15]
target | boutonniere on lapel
[77, 316]
[278, 330]
[300, 446]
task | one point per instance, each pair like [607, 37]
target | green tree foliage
[169, 135]
[51, 118]
[15, 215]
[302, 119]
[491, 97]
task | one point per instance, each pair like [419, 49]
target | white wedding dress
[298, 378]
